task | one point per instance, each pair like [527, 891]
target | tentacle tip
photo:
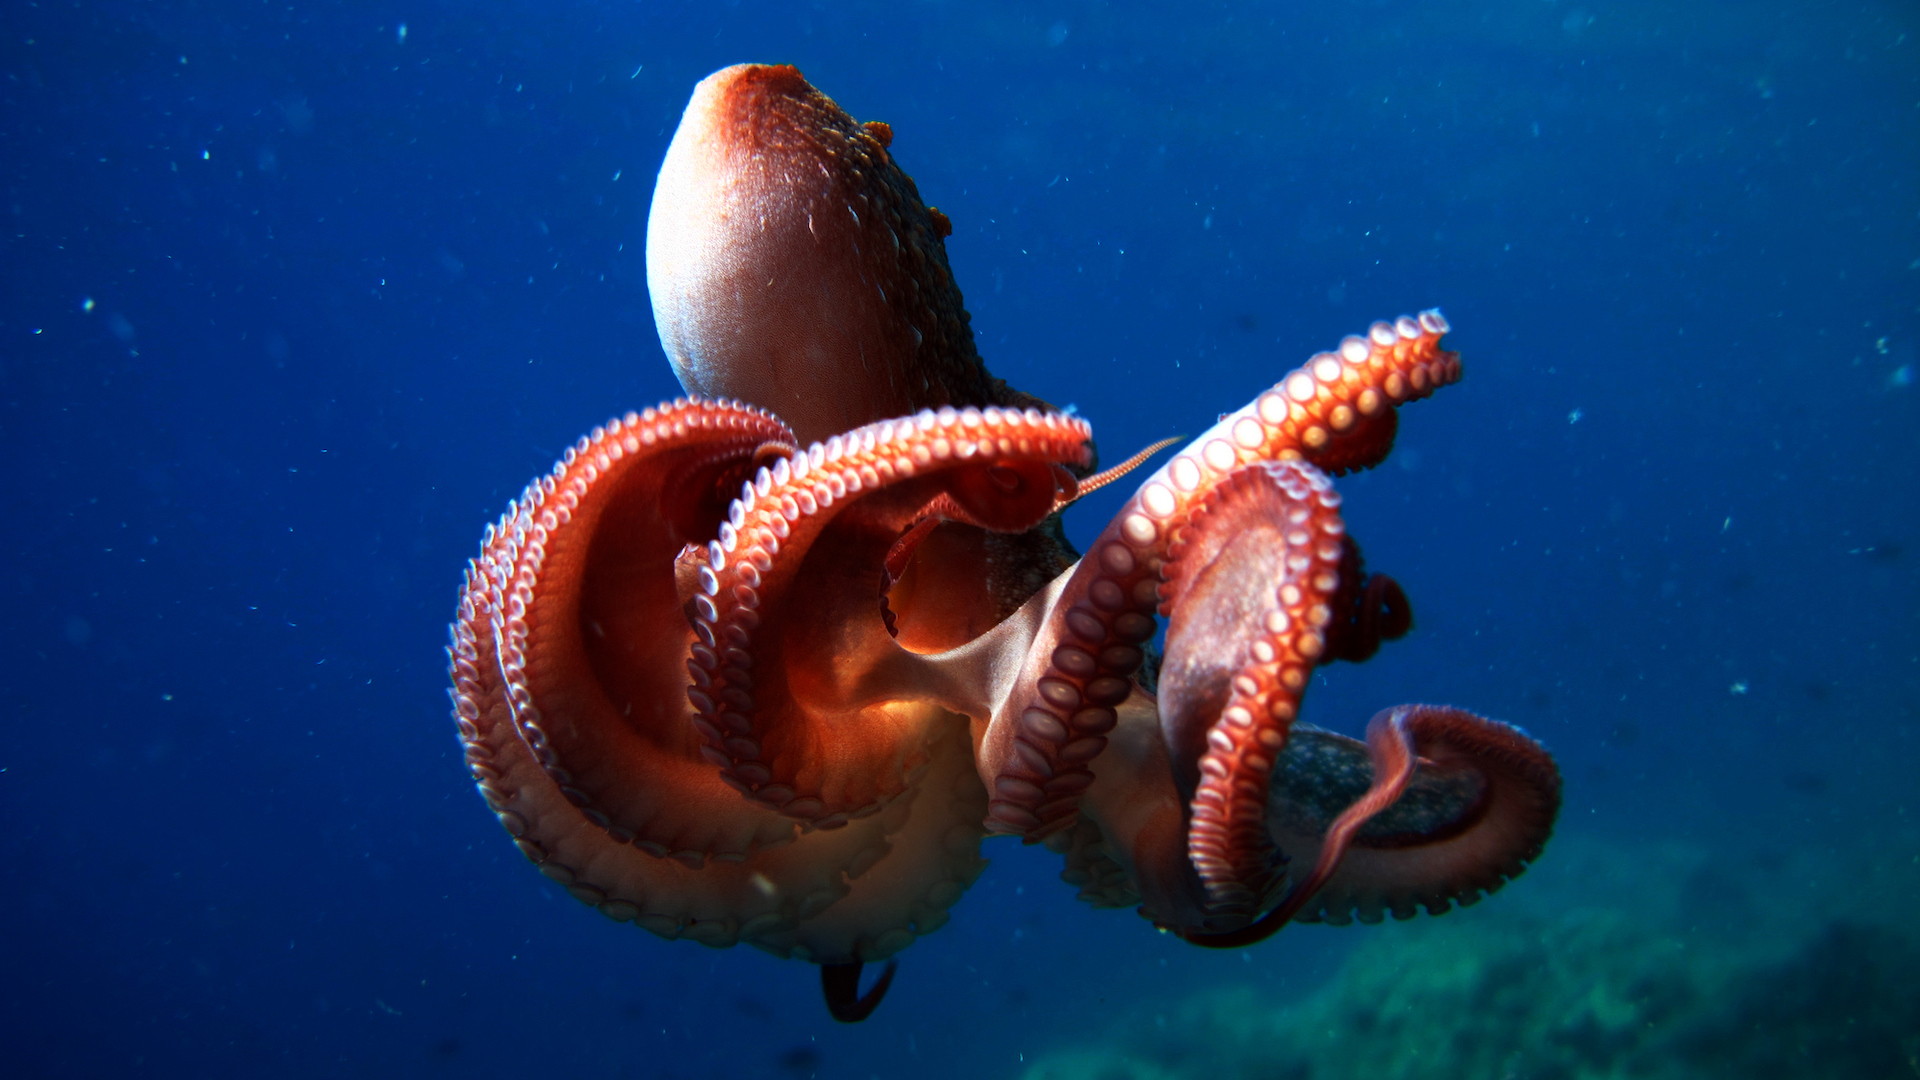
[840, 985]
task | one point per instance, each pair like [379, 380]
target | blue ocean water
[295, 296]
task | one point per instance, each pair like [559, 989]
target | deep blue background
[350, 289]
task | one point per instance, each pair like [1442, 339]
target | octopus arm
[1478, 806]
[578, 731]
[805, 701]
[1251, 581]
[577, 631]
[1035, 755]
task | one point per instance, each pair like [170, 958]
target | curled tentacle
[1367, 610]
[1450, 806]
[574, 620]
[1054, 720]
[1250, 584]
[567, 710]
[795, 676]
[1479, 804]
[840, 985]
[580, 737]
[1352, 431]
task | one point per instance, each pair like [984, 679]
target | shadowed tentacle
[840, 985]
[1456, 806]
[1035, 751]
[1250, 584]
[1367, 610]
[1478, 808]
[793, 703]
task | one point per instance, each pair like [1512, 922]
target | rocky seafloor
[1609, 959]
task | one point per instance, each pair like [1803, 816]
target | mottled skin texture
[793, 264]
[732, 687]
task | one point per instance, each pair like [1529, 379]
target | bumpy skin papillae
[807, 703]
[792, 263]
[1035, 752]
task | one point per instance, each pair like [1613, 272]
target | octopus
[767, 664]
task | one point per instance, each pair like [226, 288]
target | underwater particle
[1574, 416]
[1739, 687]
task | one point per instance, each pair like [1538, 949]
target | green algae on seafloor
[1628, 963]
